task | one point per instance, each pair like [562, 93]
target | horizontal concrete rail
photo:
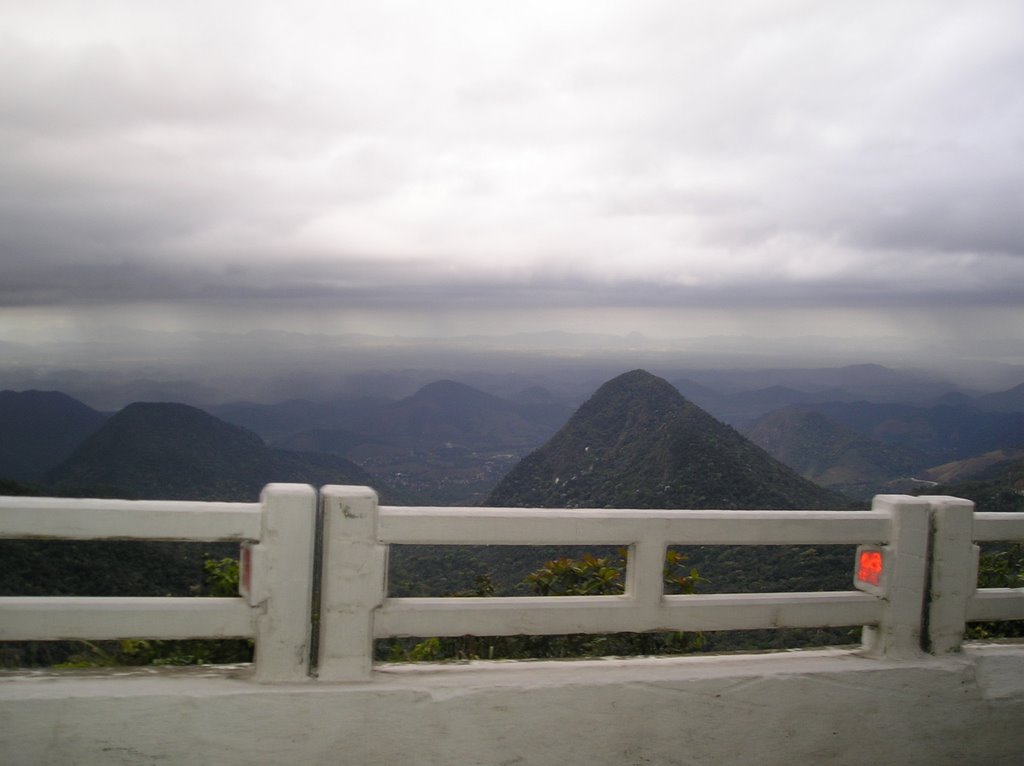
[620, 614]
[998, 527]
[993, 604]
[43, 518]
[25, 619]
[588, 526]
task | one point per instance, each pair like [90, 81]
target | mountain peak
[637, 443]
[638, 379]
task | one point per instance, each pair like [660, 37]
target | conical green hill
[637, 443]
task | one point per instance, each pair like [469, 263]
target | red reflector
[869, 567]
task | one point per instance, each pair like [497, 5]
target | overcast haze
[446, 168]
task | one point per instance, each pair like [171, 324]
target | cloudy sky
[785, 167]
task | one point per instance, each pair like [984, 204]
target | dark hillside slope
[1005, 464]
[830, 454]
[39, 429]
[177, 452]
[942, 433]
[637, 443]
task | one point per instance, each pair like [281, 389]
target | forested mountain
[942, 433]
[637, 443]
[831, 454]
[39, 429]
[177, 452]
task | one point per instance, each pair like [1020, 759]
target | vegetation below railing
[589, 575]
[1001, 566]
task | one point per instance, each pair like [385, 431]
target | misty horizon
[120, 365]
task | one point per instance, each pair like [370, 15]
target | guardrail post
[353, 582]
[281, 582]
[645, 575]
[899, 632]
[954, 574]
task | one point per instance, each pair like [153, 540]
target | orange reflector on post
[869, 567]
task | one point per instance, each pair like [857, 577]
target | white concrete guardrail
[278, 533]
[917, 601]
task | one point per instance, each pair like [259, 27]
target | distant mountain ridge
[443, 410]
[446, 410]
[638, 443]
[450, 443]
[738, 397]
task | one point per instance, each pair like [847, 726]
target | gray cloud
[462, 157]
